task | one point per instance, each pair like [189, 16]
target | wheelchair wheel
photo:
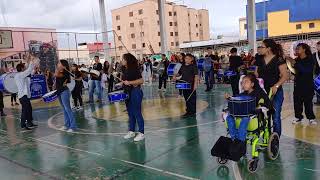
[273, 146]
[252, 165]
[221, 160]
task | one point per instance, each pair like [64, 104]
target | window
[120, 48]
[171, 33]
[118, 17]
[158, 33]
[157, 11]
[118, 28]
[175, 23]
[172, 43]
[141, 22]
[200, 25]
[131, 24]
[119, 38]
[171, 23]
[158, 22]
[143, 44]
[175, 13]
[170, 13]
[196, 16]
[133, 36]
[159, 44]
[134, 46]
[189, 24]
[177, 43]
[196, 25]
[176, 33]
[245, 26]
[311, 25]
[298, 26]
[130, 14]
[188, 14]
[197, 34]
[140, 11]
[142, 34]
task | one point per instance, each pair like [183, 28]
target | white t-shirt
[23, 81]
[104, 79]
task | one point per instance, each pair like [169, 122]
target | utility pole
[251, 18]
[104, 30]
[163, 33]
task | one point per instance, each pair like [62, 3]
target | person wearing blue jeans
[241, 132]
[95, 84]
[209, 79]
[132, 81]
[62, 78]
[277, 104]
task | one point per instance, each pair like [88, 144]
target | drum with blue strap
[183, 85]
[242, 106]
[317, 84]
[229, 73]
[252, 69]
[117, 96]
[50, 96]
[171, 69]
[200, 64]
[7, 83]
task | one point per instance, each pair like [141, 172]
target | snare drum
[84, 70]
[200, 64]
[252, 69]
[317, 84]
[241, 106]
[229, 73]
[183, 86]
[7, 83]
[220, 73]
[117, 96]
[94, 72]
[170, 70]
[50, 96]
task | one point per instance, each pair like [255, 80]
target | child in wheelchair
[235, 147]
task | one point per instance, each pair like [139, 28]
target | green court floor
[174, 148]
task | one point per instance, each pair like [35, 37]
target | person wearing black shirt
[62, 78]
[189, 74]
[274, 73]
[258, 58]
[303, 84]
[77, 91]
[235, 63]
[163, 75]
[132, 81]
[316, 58]
[95, 82]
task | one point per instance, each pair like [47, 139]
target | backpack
[207, 65]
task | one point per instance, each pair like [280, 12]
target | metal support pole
[163, 32]
[251, 19]
[104, 30]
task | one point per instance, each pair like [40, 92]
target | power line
[3, 11]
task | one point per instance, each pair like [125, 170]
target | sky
[83, 15]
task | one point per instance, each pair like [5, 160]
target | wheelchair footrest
[226, 148]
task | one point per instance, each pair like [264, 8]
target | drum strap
[318, 59]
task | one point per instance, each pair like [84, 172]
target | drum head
[9, 82]
[71, 85]
[242, 98]
[116, 92]
[49, 94]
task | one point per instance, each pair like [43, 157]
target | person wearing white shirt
[22, 80]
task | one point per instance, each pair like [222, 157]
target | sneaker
[313, 122]
[164, 90]
[11, 104]
[129, 135]
[63, 128]
[3, 114]
[16, 104]
[139, 137]
[74, 108]
[70, 130]
[80, 108]
[159, 89]
[296, 121]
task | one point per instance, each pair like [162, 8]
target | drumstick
[70, 72]
[190, 95]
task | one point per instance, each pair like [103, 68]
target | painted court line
[128, 162]
[236, 171]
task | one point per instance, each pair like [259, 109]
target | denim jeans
[64, 99]
[134, 110]
[277, 104]
[209, 79]
[94, 84]
[241, 132]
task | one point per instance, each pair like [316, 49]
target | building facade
[286, 17]
[137, 27]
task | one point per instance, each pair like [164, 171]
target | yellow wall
[279, 25]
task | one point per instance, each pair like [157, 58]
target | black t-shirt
[316, 64]
[79, 83]
[60, 82]
[270, 73]
[235, 63]
[258, 60]
[98, 67]
[188, 73]
[214, 57]
[130, 75]
[304, 74]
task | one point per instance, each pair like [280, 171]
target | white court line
[313, 170]
[236, 171]
[128, 162]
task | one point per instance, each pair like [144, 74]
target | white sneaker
[63, 128]
[129, 135]
[139, 137]
[164, 90]
[313, 122]
[159, 89]
[296, 121]
[70, 131]
[80, 108]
